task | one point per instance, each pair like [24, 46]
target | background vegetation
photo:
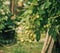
[26, 20]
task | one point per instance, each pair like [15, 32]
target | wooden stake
[12, 6]
[48, 44]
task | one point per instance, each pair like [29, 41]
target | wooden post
[12, 6]
[45, 43]
[48, 44]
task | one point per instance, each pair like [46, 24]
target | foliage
[7, 25]
[36, 15]
[41, 15]
[5, 16]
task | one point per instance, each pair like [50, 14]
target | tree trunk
[45, 43]
[56, 48]
[50, 48]
[48, 45]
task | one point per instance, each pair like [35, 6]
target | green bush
[7, 25]
[37, 15]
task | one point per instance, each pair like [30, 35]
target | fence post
[12, 6]
[48, 44]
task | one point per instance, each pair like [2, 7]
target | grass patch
[24, 47]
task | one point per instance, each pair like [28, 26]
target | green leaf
[42, 6]
[2, 26]
[37, 32]
[28, 12]
[34, 1]
[53, 33]
[47, 4]
[41, 12]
